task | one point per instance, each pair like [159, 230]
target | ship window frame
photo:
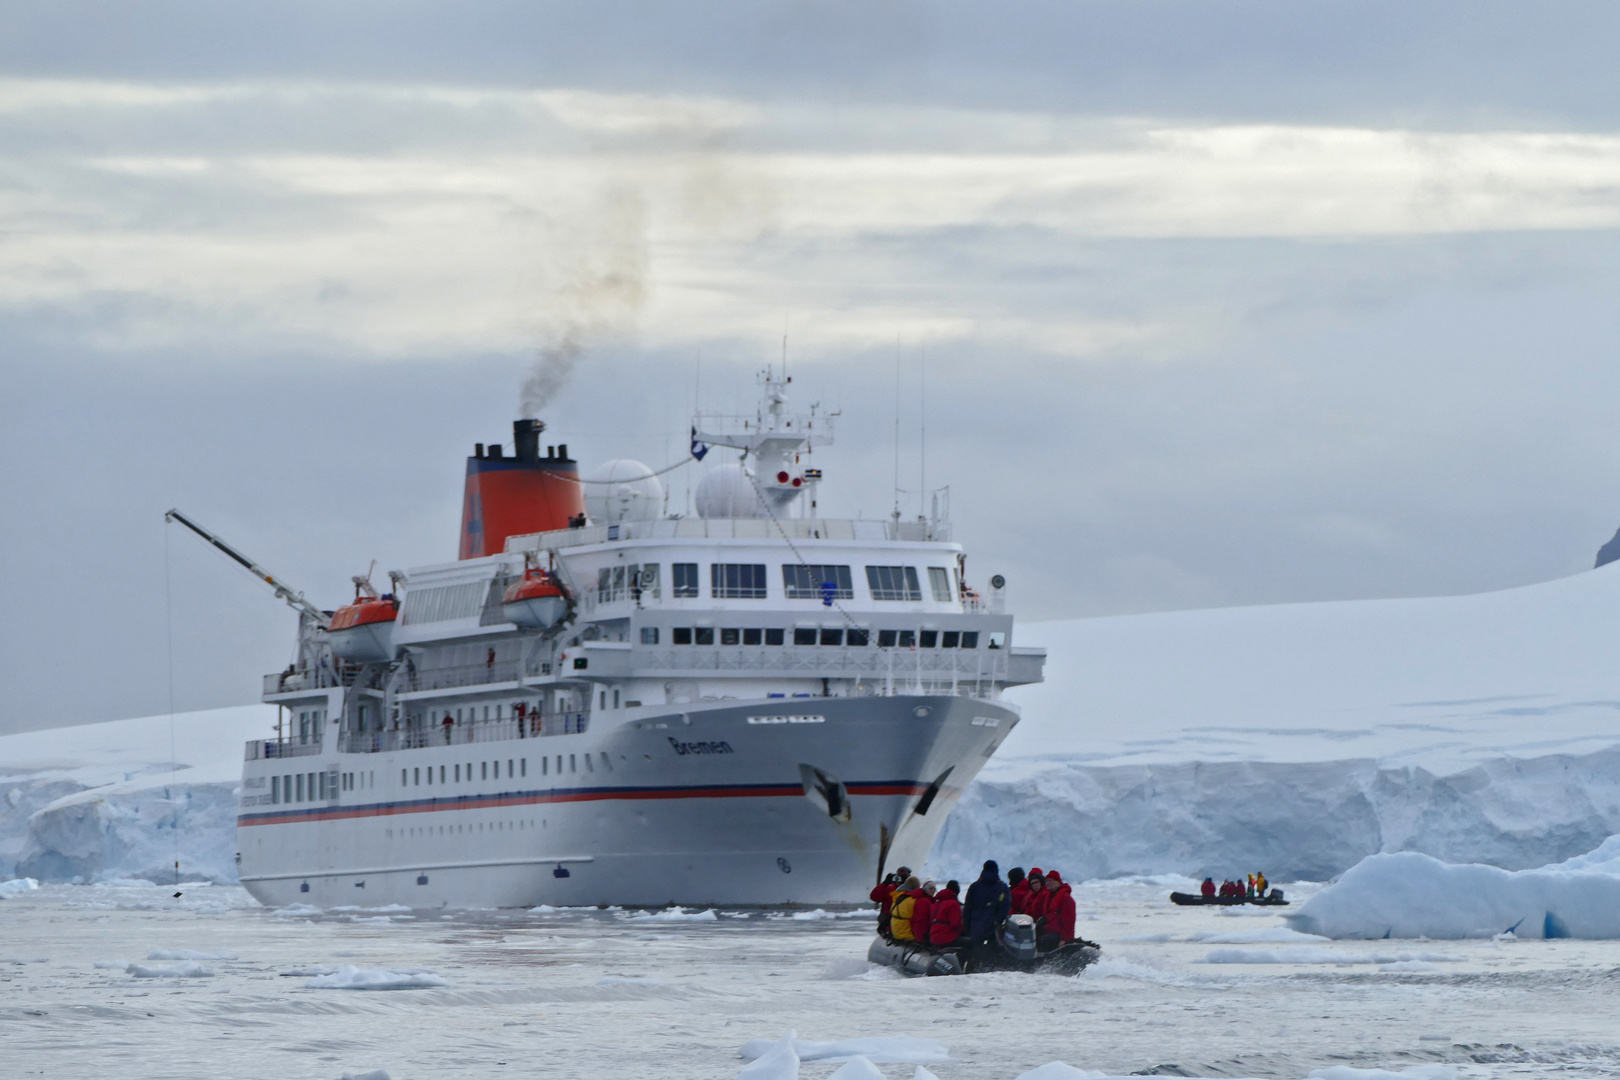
[680, 635]
[703, 635]
[928, 639]
[832, 636]
[939, 583]
[683, 580]
[805, 635]
[887, 638]
[950, 639]
[804, 581]
[753, 635]
[649, 635]
[738, 581]
[894, 583]
[861, 632]
[730, 635]
[970, 639]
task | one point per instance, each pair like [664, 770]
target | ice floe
[349, 977]
[186, 969]
[17, 886]
[1408, 895]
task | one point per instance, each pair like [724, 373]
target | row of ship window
[747, 581]
[319, 786]
[856, 637]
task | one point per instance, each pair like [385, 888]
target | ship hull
[698, 805]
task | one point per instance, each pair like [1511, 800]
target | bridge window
[730, 635]
[927, 639]
[832, 637]
[886, 638]
[908, 639]
[753, 637]
[939, 582]
[737, 581]
[682, 635]
[703, 635]
[774, 636]
[649, 635]
[816, 582]
[804, 635]
[859, 637]
[951, 639]
[970, 639]
[998, 640]
[893, 583]
[685, 577]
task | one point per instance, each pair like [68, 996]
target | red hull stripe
[567, 795]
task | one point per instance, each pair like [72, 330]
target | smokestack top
[526, 439]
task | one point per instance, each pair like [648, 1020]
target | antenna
[922, 433]
[897, 430]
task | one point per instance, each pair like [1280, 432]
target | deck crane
[284, 591]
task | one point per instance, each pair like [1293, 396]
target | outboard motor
[1018, 937]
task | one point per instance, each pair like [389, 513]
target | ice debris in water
[777, 1061]
[1408, 895]
[374, 1074]
[349, 977]
[675, 914]
[857, 1068]
[188, 954]
[882, 1050]
[16, 887]
[187, 969]
[1312, 954]
[1057, 1070]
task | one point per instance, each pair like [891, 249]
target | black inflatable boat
[1274, 898]
[1013, 949]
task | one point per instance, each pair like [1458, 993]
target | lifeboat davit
[363, 632]
[536, 601]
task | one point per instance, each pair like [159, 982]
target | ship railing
[445, 678]
[262, 749]
[467, 732]
[820, 660]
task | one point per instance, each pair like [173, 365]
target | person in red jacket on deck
[1035, 906]
[922, 913]
[1059, 927]
[1018, 891]
[946, 926]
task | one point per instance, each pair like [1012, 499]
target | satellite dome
[728, 492]
[623, 490]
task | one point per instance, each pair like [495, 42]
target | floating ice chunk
[1407, 895]
[1057, 1070]
[188, 954]
[16, 887]
[113, 965]
[349, 977]
[1408, 965]
[1416, 1072]
[923, 1074]
[675, 914]
[773, 1061]
[297, 910]
[186, 969]
[1258, 936]
[374, 1074]
[857, 1068]
[884, 1050]
[307, 972]
[1312, 954]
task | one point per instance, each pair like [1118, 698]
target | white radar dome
[623, 490]
[727, 492]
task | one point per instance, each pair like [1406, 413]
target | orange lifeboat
[363, 632]
[535, 602]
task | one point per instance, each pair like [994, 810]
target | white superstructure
[753, 706]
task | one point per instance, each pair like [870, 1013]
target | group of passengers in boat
[1255, 889]
[912, 910]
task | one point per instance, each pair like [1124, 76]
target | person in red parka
[922, 913]
[1018, 891]
[883, 896]
[1059, 926]
[1035, 907]
[945, 928]
[1208, 888]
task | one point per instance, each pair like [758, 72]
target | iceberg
[1409, 895]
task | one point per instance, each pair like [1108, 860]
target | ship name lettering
[787, 719]
[684, 748]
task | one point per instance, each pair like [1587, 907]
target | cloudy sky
[1199, 303]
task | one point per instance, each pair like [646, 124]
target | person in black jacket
[987, 902]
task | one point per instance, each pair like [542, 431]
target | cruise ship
[600, 702]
